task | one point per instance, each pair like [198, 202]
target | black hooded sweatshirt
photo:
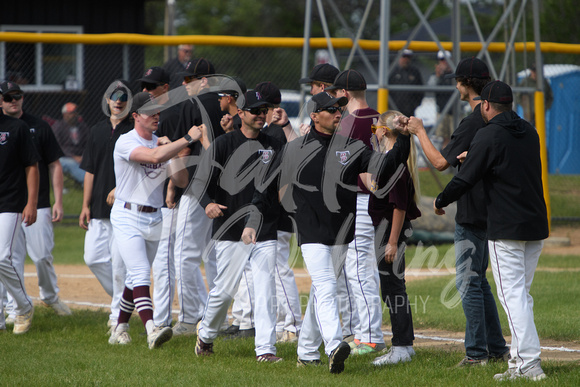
[505, 154]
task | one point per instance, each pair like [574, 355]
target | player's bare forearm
[32, 182]
[178, 173]
[57, 179]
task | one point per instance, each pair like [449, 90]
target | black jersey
[17, 152]
[505, 154]
[49, 151]
[98, 160]
[471, 209]
[230, 177]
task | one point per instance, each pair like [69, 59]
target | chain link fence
[52, 75]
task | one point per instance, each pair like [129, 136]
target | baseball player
[234, 164]
[320, 171]
[361, 263]
[193, 230]
[506, 156]
[39, 237]
[483, 336]
[141, 167]
[101, 254]
[320, 79]
[18, 202]
[155, 81]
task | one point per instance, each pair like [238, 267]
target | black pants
[393, 289]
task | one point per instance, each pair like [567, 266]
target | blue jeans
[71, 168]
[483, 337]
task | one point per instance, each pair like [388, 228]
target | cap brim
[449, 76]
[341, 101]
[305, 80]
[259, 104]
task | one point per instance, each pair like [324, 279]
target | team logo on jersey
[32, 131]
[4, 137]
[266, 155]
[343, 156]
[152, 171]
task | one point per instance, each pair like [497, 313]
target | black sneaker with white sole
[337, 358]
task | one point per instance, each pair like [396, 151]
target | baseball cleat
[203, 349]
[9, 321]
[337, 358]
[306, 363]
[59, 307]
[22, 322]
[366, 348]
[535, 374]
[288, 337]
[159, 336]
[120, 335]
[268, 358]
[184, 329]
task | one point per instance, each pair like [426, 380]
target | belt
[141, 208]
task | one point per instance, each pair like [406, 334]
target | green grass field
[73, 350]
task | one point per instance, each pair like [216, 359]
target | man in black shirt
[101, 255]
[505, 155]
[483, 337]
[234, 164]
[40, 237]
[18, 201]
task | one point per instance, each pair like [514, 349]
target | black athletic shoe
[337, 358]
[242, 334]
[231, 330]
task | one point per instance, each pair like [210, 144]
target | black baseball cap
[270, 92]
[497, 92]
[145, 103]
[155, 75]
[8, 87]
[323, 72]
[120, 85]
[233, 86]
[254, 99]
[349, 80]
[470, 68]
[197, 68]
[323, 100]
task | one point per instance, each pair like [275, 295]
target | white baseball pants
[289, 316]
[243, 306]
[164, 270]
[513, 264]
[192, 237]
[102, 257]
[231, 260]
[12, 252]
[321, 320]
[363, 275]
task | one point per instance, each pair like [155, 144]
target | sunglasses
[150, 86]
[257, 111]
[12, 97]
[375, 127]
[331, 109]
[119, 96]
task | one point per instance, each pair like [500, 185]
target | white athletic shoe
[22, 322]
[120, 335]
[111, 325]
[184, 329]
[9, 321]
[159, 336]
[535, 374]
[60, 308]
[394, 356]
[288, 337]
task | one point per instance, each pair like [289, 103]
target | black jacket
[318, 175]
[505, 154]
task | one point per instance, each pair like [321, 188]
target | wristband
[188, 138]
[286, 124]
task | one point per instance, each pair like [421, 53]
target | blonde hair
[387, 119]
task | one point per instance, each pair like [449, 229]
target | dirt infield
[80, 289]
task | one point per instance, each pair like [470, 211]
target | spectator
[177, 64]
[527, 99]
[72, 134]
[442, 68]
[406, 74]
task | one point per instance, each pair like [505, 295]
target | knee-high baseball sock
[143, 303]
[126, 306]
